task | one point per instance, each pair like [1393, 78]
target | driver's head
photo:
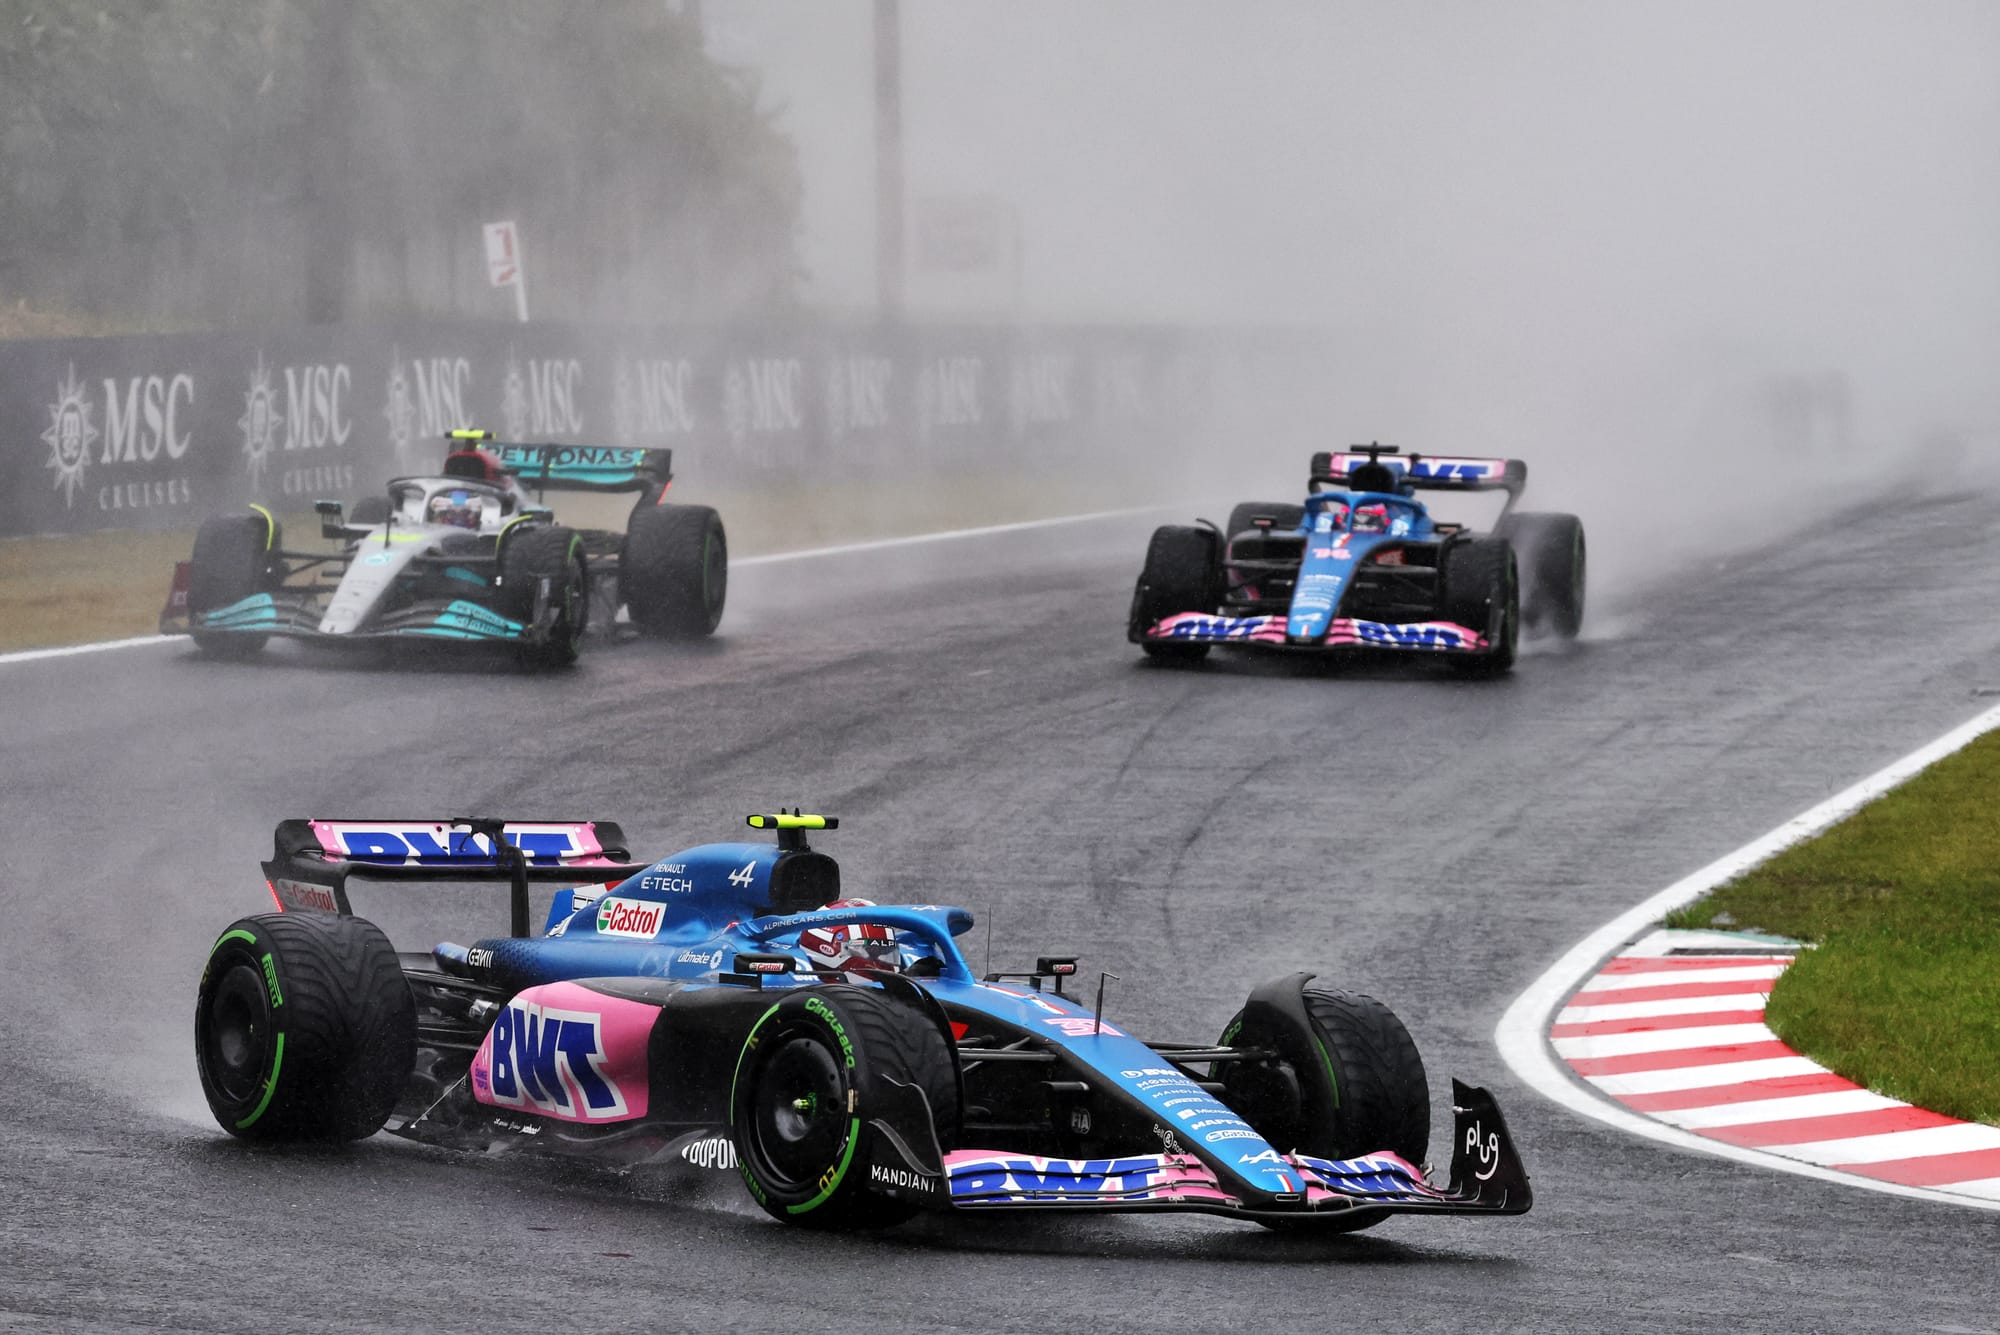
[1371, 518]
[854, 945]
[458, 508]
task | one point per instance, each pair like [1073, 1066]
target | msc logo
[553, 1062]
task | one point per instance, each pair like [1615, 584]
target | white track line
[1522, 1034]
[774, 558]
[65, 651]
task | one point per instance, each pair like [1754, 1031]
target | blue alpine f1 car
[472, 555]
[724, 1008]
[1361, 565]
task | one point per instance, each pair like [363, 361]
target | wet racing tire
[234, 558]
[673, 570]
[304, 1028]
[1552, 556]
[1182, 574]
[1348, 1079]
[368, 511]
[554, 553]
[1480, 574]
[813, 1074]
[1284, 516]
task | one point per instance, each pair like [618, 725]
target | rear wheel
[304, 1028]
[1181, 574]
[673, 569]
[813, 1073]
[553, 553]
[234, 558]
[1284, 516]
[1480, 580]
[1552, 555]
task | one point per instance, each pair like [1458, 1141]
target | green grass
[107, 586]
[1903, 900]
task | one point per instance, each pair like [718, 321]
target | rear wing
[312, 859]
[554, 467]
[1425, 472]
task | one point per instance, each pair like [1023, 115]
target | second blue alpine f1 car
[1361, 565]
[726, 1008]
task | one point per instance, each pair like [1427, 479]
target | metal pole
[889, 158]
[520, 277]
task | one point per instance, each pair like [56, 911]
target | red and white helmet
[861, 945]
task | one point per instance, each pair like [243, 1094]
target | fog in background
[1660, 250]
[1699, 263]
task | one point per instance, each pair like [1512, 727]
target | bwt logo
[1214, 628]
[1408, 637]
[1024, 1176]
[553, 1061]
[424, 846]
[1449, 472]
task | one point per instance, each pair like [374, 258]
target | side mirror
[330, 524]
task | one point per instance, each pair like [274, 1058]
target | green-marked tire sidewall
[802, 1016]
[242, 1110]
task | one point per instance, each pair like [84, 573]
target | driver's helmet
[1371, 518]
[860, 945]
[460, 509]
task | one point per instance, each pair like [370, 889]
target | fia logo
[260, 420]
[70, 435]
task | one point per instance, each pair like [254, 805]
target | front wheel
[814, 1073]
[1482, 592]
[235, 558]
[304, 1028]
[1347, 1080]
[1181, 574]
[555, 554]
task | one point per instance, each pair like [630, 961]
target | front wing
[296, 614]
[1486, 1178]
[1343, 634]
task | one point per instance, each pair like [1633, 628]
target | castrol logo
[628, 917]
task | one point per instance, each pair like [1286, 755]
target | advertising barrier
[158, 431]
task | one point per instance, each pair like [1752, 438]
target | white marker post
[503, 263]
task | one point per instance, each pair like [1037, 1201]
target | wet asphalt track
[972, 714]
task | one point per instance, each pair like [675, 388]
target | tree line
[210, 163]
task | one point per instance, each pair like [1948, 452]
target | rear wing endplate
[1427, 472]
[313, 859]
[549, 466]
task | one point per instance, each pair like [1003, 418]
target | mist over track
[970, 711]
